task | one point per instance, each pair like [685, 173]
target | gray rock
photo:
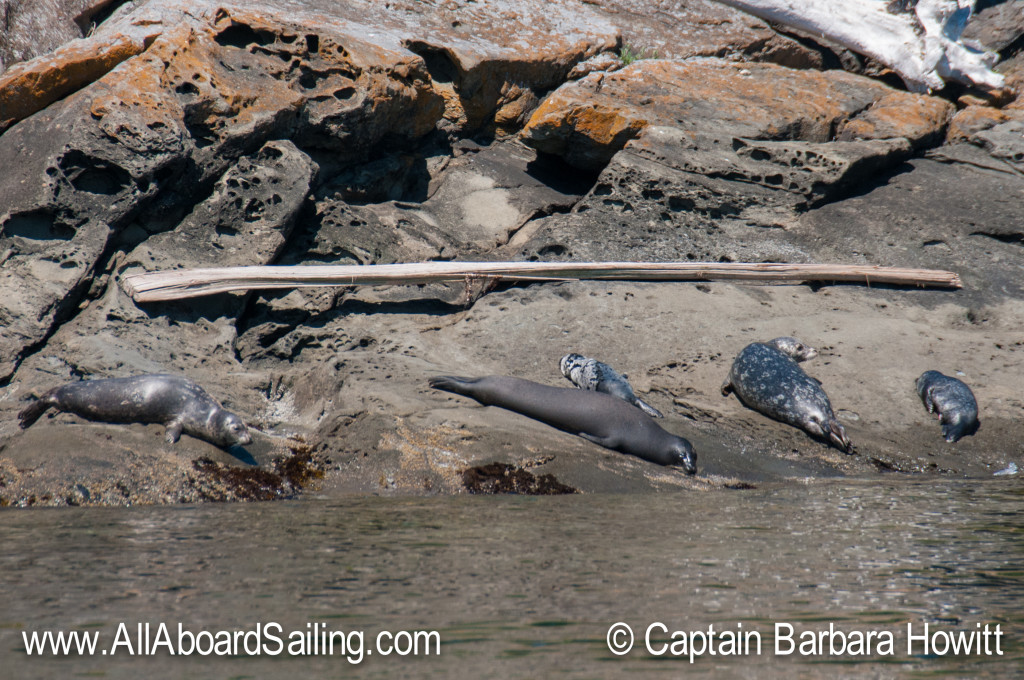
[1004, 142]
[997, 26]
[34, 28]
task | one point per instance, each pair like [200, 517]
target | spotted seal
[954, 402]
[766, 378]
[178, 403]
[595, 416]
[596, 376]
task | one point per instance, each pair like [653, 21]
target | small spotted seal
[595, 376]
[766, 378]
[954, 402]
[793, 348]
[596, 417]
[178, 403]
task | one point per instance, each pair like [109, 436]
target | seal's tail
[648, 409]
[31, 413]
[452, 383]
[838, 436]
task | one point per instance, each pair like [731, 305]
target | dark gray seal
[954, 402]
[595, 416]
[178, 403]
[766, 378]
[596, 376]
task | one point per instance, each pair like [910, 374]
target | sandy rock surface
[309, 132]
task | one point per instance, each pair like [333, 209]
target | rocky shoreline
[182, 135]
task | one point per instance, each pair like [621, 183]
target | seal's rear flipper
[953, 432]
[452, 383]
[31, 413]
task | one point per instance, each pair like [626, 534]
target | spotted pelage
[595, 376]
[952, 400]
[766, 378]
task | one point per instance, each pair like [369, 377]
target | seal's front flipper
[173, 433]
[600, 441]
[837, 435]
[727, 388]
[929, 402]
[647, 408]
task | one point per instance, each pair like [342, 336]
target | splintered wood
[187, 283]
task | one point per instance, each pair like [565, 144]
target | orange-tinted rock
[514, 108]
[973, 119]
[473, 52]
[1013, 70]
[589, 120]
[484, 57]
[31, 86]
[919, 118]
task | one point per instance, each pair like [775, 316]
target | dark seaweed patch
[236, 483]
[497, 478]
[291, 474]
[302, 467]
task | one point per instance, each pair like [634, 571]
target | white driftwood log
[922, 45]
[186, 283]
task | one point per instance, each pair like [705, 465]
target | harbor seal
[954, 402]
[595, 376]
[766, 378]
[176, 402]
[597, 417]
[793, 348]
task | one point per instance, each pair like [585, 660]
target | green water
[527, 587]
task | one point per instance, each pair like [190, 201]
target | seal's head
[818, 422]
[569, 362]
[926, 380]
[230, 430]
[683, 456]
[793, 348]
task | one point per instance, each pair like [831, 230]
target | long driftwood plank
[186, 283]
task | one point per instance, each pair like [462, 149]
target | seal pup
[793, 348]
[597, 417]
[596, 376]
[954, 402]
[178, 403]
[766, 378]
